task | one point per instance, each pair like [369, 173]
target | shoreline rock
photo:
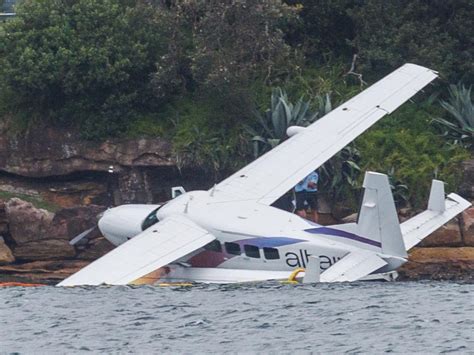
[439, 264]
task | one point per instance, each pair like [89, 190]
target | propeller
[87, 232]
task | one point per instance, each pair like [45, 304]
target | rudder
[378, 219]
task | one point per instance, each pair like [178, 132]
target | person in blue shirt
[306, 191]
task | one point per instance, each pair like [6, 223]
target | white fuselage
[253, 241]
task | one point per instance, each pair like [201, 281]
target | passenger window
[271, 253]
[252, 251]
[233, 248]
[215, 245]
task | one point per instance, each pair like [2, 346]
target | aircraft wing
[353, 267]
[157, 246]
[276, 172]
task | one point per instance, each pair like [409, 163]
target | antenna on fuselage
[186, 206]
[213, 190]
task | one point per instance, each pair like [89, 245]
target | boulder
[3, 219]
[48, 249]
[468, 227]
[69, 222]
[352, 218]
[26, 222]
[449, 235]
[6, 256]
[95, 248]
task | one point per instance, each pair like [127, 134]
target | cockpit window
[215, 245]
[151, 219]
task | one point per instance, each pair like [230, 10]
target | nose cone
[122, 223]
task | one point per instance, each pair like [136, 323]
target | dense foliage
[202, 73]
[83, 62]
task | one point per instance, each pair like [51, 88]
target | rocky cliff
[63, 169]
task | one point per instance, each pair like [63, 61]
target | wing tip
[416, 68]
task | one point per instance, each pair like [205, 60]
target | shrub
[459, 127]
[84, 63]
[411, 158]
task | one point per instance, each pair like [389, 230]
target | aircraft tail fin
[440, 210]
[378, 218]
[378, 228]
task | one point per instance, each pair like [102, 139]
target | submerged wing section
[353, 267]
[157, 246]
[270, 176]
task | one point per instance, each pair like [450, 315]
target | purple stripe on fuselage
[343, 234]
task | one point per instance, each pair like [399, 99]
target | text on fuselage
[301, 259]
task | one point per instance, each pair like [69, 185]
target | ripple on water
[355, 318]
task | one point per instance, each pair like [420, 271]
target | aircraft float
[231, 233]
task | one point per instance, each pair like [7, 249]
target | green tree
[324, 29]
[83, 62]
[438, 34]
[220, 45]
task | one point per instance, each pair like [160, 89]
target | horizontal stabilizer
[353, 267]
[157, 246]
[419, 227]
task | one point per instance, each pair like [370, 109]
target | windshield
[151, 219]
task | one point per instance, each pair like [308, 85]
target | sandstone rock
[95, 249]
[405, 214]
[352, 218]
[449, 235]
[326, 219]
[41, 271]
[69, 222]
[49, 249]
[439, 264]
[134, 186]
[77, 192]
[57, 152]
[27, 223]
[6, 256]
[468, 227]
[433, 255]
[3, 219]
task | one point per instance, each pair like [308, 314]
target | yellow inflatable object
[292, 278]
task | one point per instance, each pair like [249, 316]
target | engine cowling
[292, 130]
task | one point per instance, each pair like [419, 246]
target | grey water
[399, 317]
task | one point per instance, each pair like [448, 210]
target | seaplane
[232, 233]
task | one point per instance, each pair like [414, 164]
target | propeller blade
[79, 237]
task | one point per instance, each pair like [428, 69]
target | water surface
[401, 317]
